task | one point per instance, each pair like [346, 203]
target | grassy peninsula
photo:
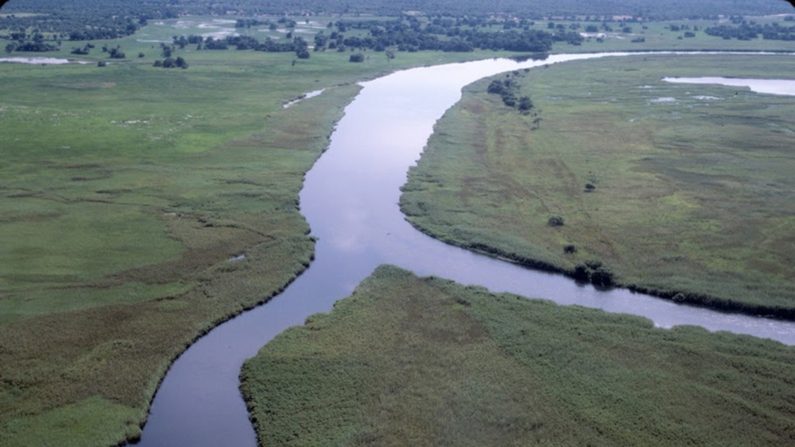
[423, 361]
[682, 190]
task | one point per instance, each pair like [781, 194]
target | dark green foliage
[356, 57]
[116, 53]
[555, 221]
[602, 277]
[170, 62]
[89, 19]
[81, 51]
[525, 104]
[749, 31]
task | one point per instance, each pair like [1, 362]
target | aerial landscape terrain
[168, 167]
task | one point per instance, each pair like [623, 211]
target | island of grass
[618, 177]
[423, 361]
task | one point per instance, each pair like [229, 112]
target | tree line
[749, 31]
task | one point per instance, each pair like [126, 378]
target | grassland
[659, 36]
[410, 361]
[124, 192]
[693, 184]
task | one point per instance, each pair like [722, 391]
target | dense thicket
[406, 34]
[744, 30]
[85, 19]
[114, 17]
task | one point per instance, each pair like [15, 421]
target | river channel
[350, 198]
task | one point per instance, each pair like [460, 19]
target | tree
[525, 104]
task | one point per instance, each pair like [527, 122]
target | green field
[659, 36]
[410, 361]
[693, 184]
[124, 192]
[128, 191]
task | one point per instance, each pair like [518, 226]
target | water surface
[768, 86]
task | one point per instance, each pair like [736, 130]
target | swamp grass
[691, 191]
[124, 192]
[424, 361]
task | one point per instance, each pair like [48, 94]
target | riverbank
[124, 221]
[668, 210]
[460, 366]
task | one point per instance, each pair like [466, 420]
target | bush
[555, 221]
[602, 277]
[357, 57]
[569, 249]
[582, 273]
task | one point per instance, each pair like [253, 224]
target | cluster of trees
[749, 30]
[295, 44]
[406, 34]
[35, 46]
[656, 9]
[272, 25]
[508, 89]
[86, 49]
[444, 34]
[85, 19]
[170, 62]
[114, 53]
[107, 19]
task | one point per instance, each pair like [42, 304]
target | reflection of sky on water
[784, 87]
[350, 199]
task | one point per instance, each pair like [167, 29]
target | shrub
[356, 57]
[602, 277]
[555, 221]
[581, 273]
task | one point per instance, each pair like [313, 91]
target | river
[350, 198]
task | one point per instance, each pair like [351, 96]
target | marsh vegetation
[423, 361]
[687, 194]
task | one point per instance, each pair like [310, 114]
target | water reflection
[350, 199]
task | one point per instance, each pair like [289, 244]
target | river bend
[350, 198]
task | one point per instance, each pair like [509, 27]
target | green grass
[411, 361]
[693, 196]
[658, 36]
[124, 191]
